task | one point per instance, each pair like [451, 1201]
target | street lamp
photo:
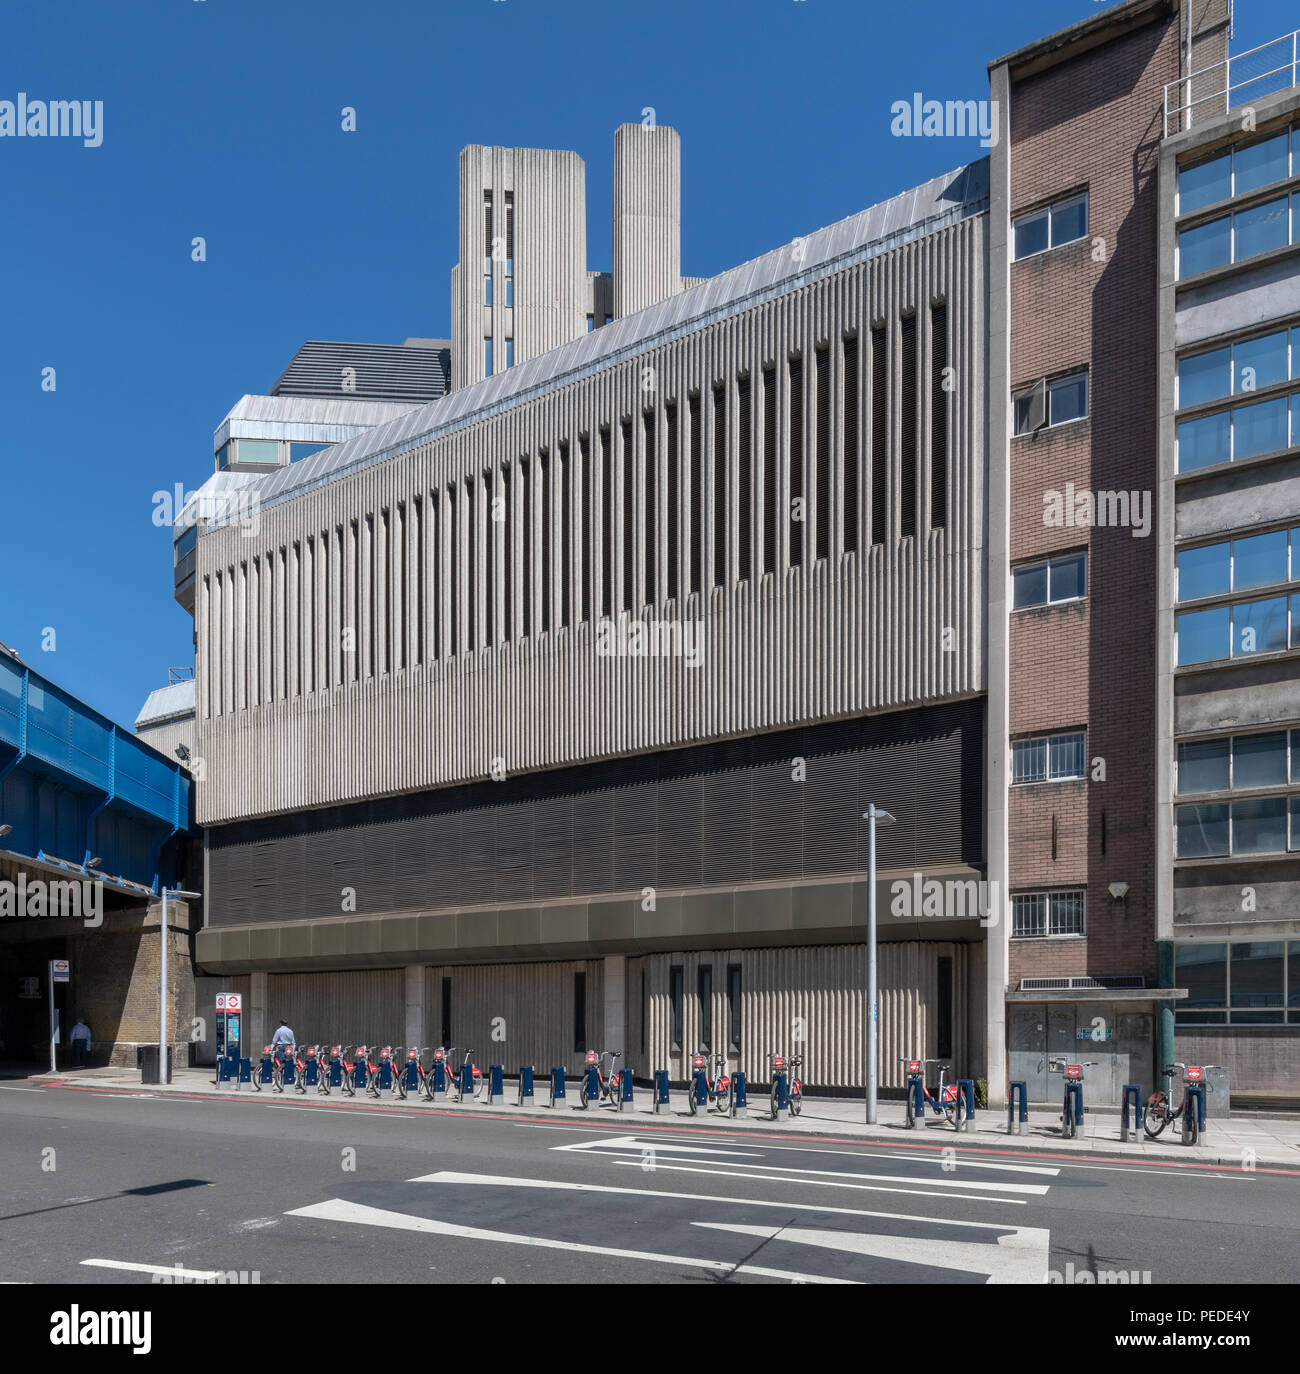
[164, 1075]
[873, 816]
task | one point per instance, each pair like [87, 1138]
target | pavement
[1243, 1140]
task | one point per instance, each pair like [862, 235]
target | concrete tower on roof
[647, 216]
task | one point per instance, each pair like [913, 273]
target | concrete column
[414, 1005]
[615, 1036]
[258, 1031]
[647, 216]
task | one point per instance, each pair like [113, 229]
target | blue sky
[222, 119]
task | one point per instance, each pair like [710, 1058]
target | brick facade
[1091, 122]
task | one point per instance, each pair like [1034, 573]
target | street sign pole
[53, 1065]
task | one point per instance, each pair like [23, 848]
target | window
[704, 986]
[1238, 236]
[510, 353]
[938, 417]
[591, 323]
[297, 452]
[1235, 369]
[1038, 915]
[943, 1008]
[1049, 758]
[1049, 582]
[675, 1007]
[257, 451]
[733, 1008]
[1064, 222]
[1051, 403]
[1254, 825]
[1205, 766]
[487, 357]
[1239, 433]
[185, 544]
[1244, 983]
[1235, 173]
[1259, 560]
[223, 457]
[580, 1013]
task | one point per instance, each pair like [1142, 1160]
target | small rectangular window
[1204, 184]
[580, 1013]
[1050, 403]
[1045, 583]
[675, 1008]
[1044, 914]
[733, 1008]
[487, 357]
[510, 352]
[591, 323]
[1260, 164]
[1203, 766]
[704, 987]
[1049, 758]
[1054, 225]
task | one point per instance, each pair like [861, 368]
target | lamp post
[164, 1076]
[873, 816]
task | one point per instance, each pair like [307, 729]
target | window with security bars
[1049, 758]
[1038, 915]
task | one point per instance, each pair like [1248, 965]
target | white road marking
[826, 1183]
[170, 1269]
[5, 1087]
[1019, 1258]
[338, 1210]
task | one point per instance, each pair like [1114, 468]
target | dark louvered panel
[796, 514]
[879, 435]
[776, 824]
[546, 492]
[769, 469]
[587, 478]
[697, 498]
[720, 501]
[566, 534]
[852, 446]
[938, 416]
[636, 828]
[401, 373]
[823, 510]
[593, 829]
[711, 815]
[907, 429]
[607, 514]
[744, 477]
[629, 516]
[650, 468]
[726, 804]
[681, 810]
[674, 497]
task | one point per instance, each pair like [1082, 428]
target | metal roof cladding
[167, 703]
[914, 214]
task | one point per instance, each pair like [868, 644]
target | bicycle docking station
[1018, 1109]
[245, 1072]
[700, 1088]
[591, 1076]
[496, 1093]
[625, 1098]
[1130, 1127]
[311, 1076]
[965, 1104]
[739, 1104]
[1194, 1098]
[290, 1072]
[780, 1093]
[1072, 1107]
[335, 1078]
[915, 1117]
[659, 1095]
[439, 1072]
[525, 1098]
[557, 1086]
[411, 1072]
[466, 1081]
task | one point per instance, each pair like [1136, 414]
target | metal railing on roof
[1246, 76]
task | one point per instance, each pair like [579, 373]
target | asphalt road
[96, 1182]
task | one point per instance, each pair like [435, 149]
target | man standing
[80, 1041]
[283, 1036]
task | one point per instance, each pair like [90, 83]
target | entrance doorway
[1118, 1037]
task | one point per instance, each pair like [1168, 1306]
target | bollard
[659, 1097]
[1131, 1131]
[739, 1106]
[625, 1098]
[223, 1070]
[782, 1112]
[496, 1093]
[966, 1101]
[525, 1086]
[557, 1086]
[593, 1085]
[1018, 1124]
